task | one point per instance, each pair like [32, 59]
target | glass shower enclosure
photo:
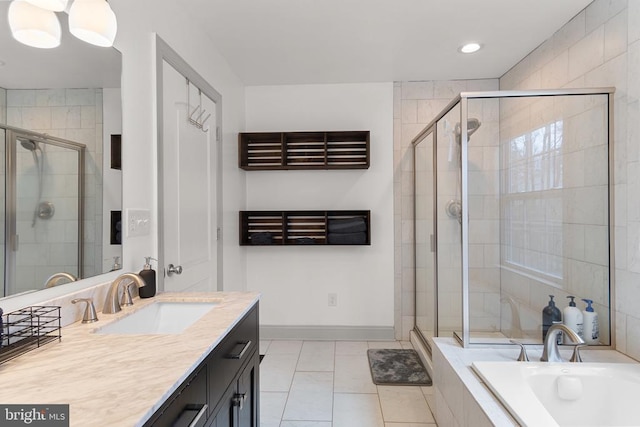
[513, 203]
[42, 209]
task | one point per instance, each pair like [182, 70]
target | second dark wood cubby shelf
[303, 150]
[276, 228]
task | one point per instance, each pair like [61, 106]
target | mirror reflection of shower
[41, 170]
[42, 209]
[454, 206]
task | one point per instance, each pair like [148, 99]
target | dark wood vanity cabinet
[224, 390]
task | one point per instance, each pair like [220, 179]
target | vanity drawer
[231, 354]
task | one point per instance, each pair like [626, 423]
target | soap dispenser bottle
[573, 319]
[550, 314]
[149, 276]
[591, 328]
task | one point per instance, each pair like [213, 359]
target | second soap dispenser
[148, 274]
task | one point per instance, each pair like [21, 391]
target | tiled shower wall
[601, 47]
[76, 115]
[415, 105]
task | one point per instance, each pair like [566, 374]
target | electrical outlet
[332, 300]
[138, 222]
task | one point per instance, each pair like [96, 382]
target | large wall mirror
[61, 182]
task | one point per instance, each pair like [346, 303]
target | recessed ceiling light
[470, 47]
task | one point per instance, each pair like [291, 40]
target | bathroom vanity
[207, 375]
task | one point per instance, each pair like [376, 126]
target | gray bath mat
[397, 367]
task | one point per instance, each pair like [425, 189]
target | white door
[189, 199]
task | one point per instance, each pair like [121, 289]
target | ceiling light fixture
[54, 5]
[34, 26]
[34, 22]
[470, 47]
[93, 21]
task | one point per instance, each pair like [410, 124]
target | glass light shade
[54, 5]
[93, 21]
[34, 26]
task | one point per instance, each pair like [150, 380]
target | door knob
[171, 269]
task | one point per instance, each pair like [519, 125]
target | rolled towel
[263, 238]
[350, 225]
[347, 238]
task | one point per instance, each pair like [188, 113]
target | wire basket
[27, 329]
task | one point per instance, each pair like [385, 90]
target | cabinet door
[225, 416]
[246, 399]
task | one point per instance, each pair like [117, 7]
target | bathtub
[541, 394]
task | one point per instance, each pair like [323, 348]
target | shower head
[29, 144]
[473, 125]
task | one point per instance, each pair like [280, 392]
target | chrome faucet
[112, 303]
[89, 315]
[551, 352]
[54, 279]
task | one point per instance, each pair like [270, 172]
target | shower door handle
[173, 269]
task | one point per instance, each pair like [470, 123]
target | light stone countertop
[119, 380]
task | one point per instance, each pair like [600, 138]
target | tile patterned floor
[328, 384]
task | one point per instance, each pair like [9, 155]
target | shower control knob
[173, 269]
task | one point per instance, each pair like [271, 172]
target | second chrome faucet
[112, 301]
[551, 352]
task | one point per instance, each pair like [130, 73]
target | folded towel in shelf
[262, 238]
[349, 225]
[347, 238]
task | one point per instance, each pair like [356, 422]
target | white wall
[137, 22]
[295, 281]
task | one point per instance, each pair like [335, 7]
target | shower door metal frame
[462, 99]
[11, 240]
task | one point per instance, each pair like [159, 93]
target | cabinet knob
[238, 400]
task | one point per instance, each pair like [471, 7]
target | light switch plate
[138, 222]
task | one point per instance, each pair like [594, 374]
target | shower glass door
[425, 274]
[44, 213]
[448, 219]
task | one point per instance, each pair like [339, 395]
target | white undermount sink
[159, 318]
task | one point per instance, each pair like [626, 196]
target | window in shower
[533, 202]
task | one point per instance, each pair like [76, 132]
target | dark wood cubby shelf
[297, 227]
[303, 150]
